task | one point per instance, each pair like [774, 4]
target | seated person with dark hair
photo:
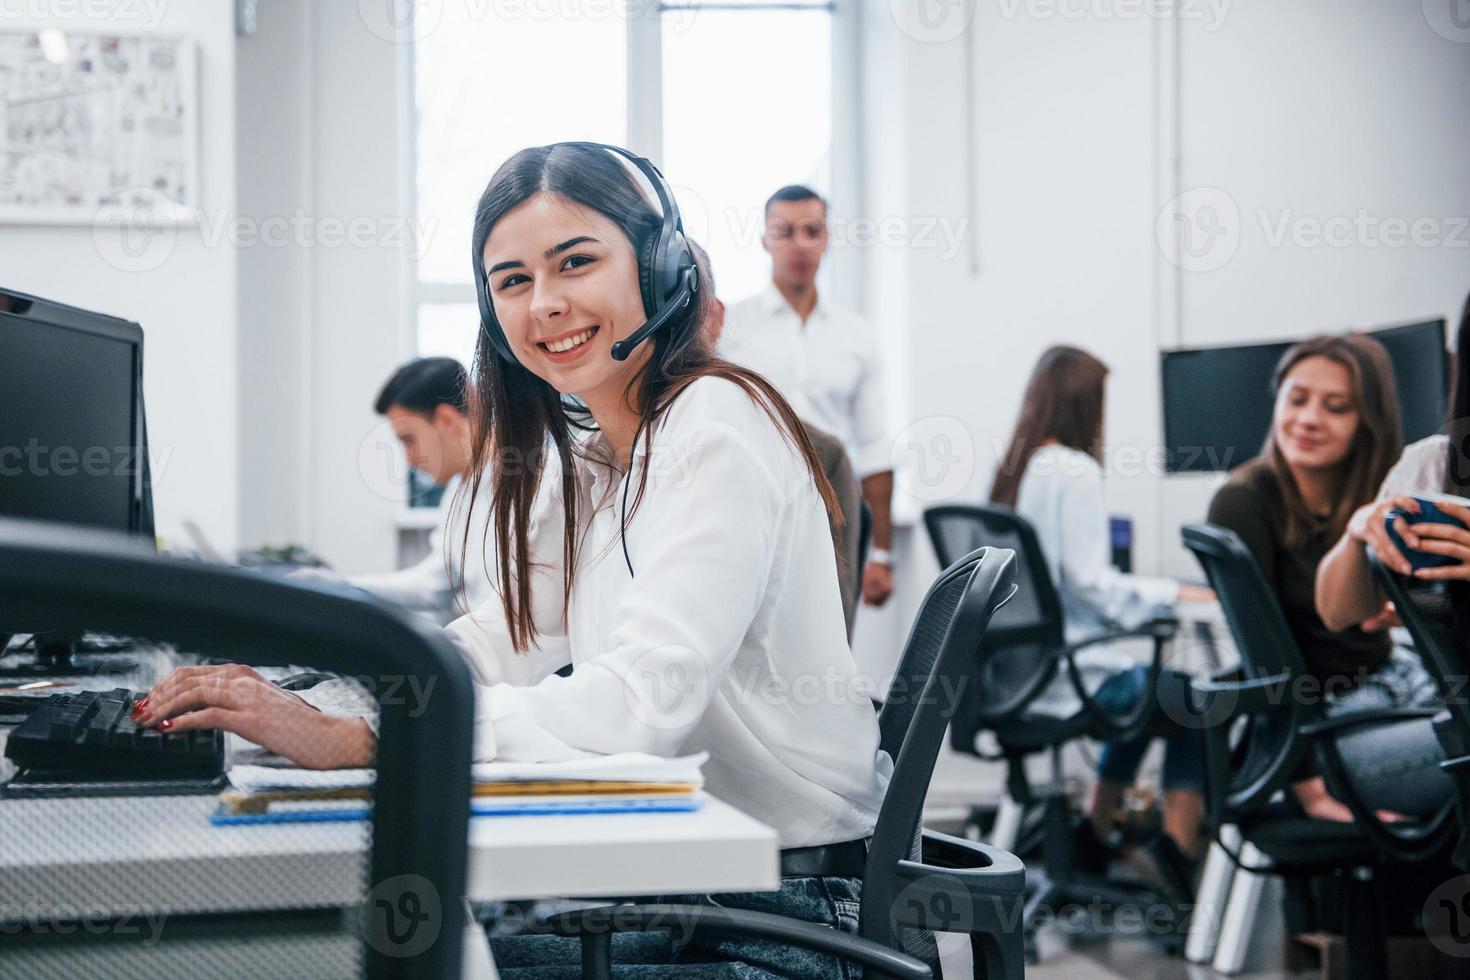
[1334, 433]
[424, 402]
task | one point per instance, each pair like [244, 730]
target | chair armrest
[691, 920]
[1323, 726]
[960, 886]
[1217, 700]
[1154, 629]
[1130, 722]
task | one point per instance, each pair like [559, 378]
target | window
[736, 75]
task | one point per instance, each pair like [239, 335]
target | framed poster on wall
[96, 122]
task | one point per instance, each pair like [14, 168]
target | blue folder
[220, 818]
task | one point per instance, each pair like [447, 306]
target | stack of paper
[624, 783]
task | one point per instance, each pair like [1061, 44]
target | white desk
[196, 900]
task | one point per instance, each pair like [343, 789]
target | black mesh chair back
[54, 574]
[1425, 613]
[1018, 654]
[1271, 748]
[935, 671]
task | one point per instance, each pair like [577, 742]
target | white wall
[1324, 107]
[324, 318]
[186, 304]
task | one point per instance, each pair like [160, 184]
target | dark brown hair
[1376, 445]
[517, 418]
[1063, 401]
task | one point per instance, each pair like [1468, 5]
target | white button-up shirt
[730, 639]
[829, 369]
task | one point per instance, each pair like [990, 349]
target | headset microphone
[688, 285]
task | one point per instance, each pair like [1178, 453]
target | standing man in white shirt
[824, 360]
[424, 403]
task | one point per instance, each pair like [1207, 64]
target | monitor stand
[57, 655]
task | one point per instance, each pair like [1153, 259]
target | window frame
[644, 39]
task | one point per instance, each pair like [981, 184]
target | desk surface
[140, 854]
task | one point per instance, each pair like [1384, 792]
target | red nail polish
[166, 724]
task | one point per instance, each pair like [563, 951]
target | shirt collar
[775, 304]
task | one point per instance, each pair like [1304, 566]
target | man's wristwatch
[881, 556]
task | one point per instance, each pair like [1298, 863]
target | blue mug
[1428, 513]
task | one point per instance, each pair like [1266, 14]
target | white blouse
[1061, 494]
[830, 369]
[1419, 470]
[730, 639]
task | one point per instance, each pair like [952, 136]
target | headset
[667, 275]
[667, 278]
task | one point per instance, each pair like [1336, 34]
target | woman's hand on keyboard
[234, 698]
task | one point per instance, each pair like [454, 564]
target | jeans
[1394, 765]
[1184, 748]
[668, 954]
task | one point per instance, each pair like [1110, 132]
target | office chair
[1274, 732]
[1424, 611]
[1018, 657]
[915, 882]
[51, 573]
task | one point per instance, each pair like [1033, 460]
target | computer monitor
[1421, 372]
[73, 442]
[1217, 401]
[1217, 405]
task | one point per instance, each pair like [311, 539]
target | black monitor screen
[68, 411]
[1217, 401]
[1421, 370]
[1217, 405]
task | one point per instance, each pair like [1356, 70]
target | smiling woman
[594, 362]
[1334, 434]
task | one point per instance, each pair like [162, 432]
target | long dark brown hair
[1063, 401]
[1376, 445]
[1457, 460]
[517, 418]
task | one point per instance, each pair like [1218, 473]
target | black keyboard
[92, 734]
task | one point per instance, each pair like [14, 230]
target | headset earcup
[648, 274]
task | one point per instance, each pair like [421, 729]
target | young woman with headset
[660, 522]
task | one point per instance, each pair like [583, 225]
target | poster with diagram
[96, 121]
